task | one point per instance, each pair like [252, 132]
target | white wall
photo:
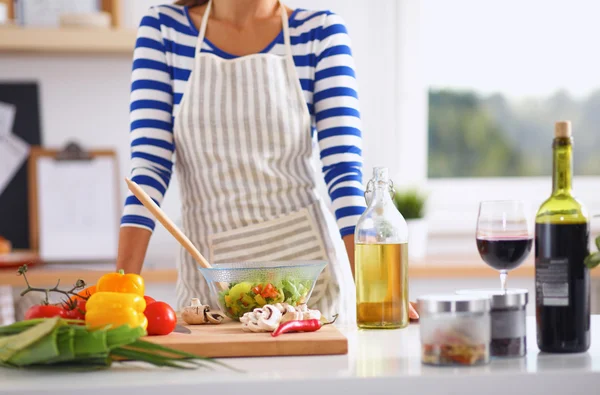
[87, 97]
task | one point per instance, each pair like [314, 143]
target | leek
[66, 344]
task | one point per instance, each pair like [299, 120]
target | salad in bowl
[243, 287]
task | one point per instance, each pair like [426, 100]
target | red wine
[562, 285]
[504, 254]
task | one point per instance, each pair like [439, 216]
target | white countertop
[378, 362]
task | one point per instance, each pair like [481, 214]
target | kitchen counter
[379, 362]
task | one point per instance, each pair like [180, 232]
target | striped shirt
[162, 63]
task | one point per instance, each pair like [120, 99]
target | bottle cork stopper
[562, 129]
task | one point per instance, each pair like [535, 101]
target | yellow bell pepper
[121, 282]
[115, 309]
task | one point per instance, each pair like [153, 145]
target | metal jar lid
[453, 303]
[500, 299]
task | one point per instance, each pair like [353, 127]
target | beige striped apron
[245, 164]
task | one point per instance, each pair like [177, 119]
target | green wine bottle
[562, 281]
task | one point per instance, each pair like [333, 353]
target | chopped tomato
[258, 289]
[269, 292]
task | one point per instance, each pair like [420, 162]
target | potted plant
[411, 204]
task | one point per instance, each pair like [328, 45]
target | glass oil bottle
[381, 259]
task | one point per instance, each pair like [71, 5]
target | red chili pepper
[301, 326]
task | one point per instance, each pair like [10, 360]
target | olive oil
[381, 259]
[382, 285]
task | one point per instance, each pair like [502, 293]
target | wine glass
[504, 235]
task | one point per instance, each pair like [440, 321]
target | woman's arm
[339, 128]
[349, 243]
[133, 244]
[338, 124]
[151, 139]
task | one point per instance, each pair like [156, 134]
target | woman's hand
[413, 314]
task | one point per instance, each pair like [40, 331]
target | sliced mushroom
[291, 316]
[311, 315]
[197, 314]
[268, 317]
[215, 317]
[250, 322]
[284, 307]
[264, 319]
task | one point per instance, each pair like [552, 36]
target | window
[499, 74]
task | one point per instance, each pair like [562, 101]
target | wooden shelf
[46, 276]
[14, 39]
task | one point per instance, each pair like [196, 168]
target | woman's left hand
[412, 312]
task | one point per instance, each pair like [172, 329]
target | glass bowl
[243, 287]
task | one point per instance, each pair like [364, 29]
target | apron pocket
[292, 237]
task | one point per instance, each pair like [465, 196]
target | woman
[235, 92]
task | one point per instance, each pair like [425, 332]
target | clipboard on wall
[73, 204]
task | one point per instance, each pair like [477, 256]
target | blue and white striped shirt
[162, 63]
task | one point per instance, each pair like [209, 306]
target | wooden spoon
[170, 226]
[167, 223]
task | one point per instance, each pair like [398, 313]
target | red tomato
[44, 311]
[149, 299]
[161, 318]
[77, 312]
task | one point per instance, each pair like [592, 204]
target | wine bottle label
[552, 281]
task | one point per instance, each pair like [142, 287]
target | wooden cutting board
[228, 340]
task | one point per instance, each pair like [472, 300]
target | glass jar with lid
[455, 329]
[508, 313]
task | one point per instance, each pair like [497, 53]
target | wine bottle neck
[562, 166]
